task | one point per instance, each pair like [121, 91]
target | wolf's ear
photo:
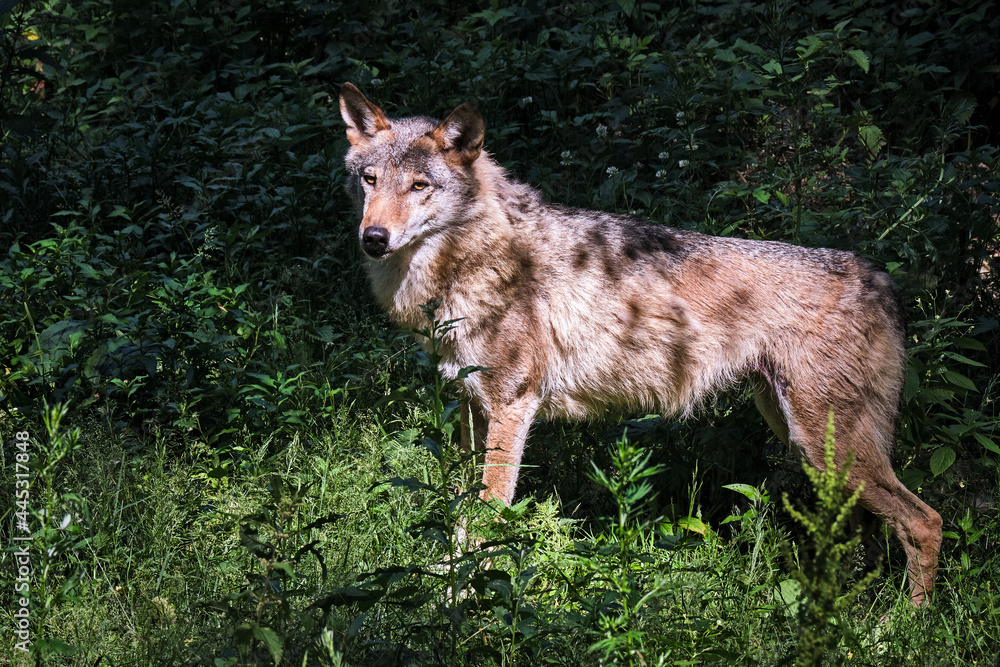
[363, 118]
[461, 134]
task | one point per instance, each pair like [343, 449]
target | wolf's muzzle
[375, 241]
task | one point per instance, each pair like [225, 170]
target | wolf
[570, 312]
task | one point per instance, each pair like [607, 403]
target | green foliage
[450, 595]
[57, 518]
[617, 578]
[621, 579]
[938, 388]
[162, 341]
[263, 614]
[26, 68]
[822, 569]
[180, 269]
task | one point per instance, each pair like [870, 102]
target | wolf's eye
[369, 179]
[419, 185]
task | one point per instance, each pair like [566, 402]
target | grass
[166, 574]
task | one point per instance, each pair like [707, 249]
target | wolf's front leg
[507, 431]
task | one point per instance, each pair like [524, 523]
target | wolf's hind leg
[917, 526]
[865, 431]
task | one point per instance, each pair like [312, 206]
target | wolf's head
[409, 177]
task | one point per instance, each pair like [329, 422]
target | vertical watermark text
[22, 536]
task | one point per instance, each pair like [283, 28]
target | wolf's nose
[375, 241]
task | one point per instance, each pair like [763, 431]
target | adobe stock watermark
[22, 535]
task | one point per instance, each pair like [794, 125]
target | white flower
[527, 100]
[602, 130]
[682, 163]
[567, 158]
[662, 173]
[611, 171]
[664, 155]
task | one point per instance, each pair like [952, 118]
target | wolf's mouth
[377, 254]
